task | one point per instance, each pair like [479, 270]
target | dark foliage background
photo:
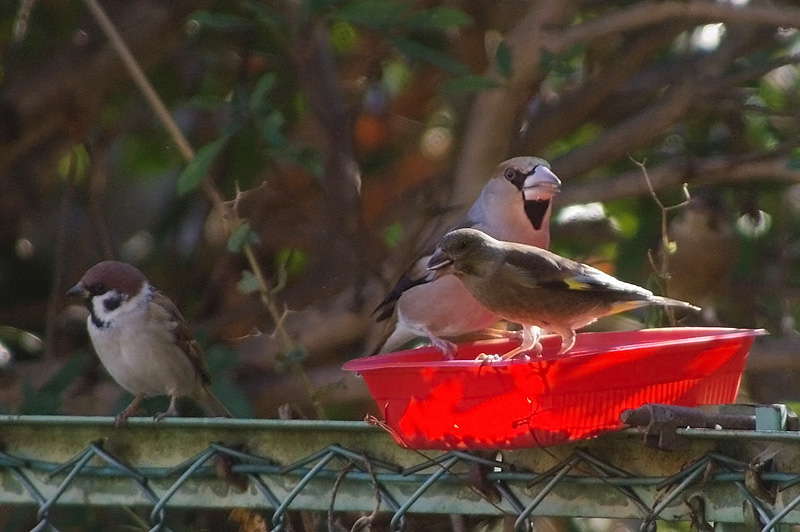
[332, 136]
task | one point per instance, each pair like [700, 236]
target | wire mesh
[768, 494]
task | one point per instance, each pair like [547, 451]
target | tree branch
[650, 13]
[495, 112]
[712, 170]
[570, 111]
[652, 122]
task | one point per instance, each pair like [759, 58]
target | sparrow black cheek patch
[112, 303]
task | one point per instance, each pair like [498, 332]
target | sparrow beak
[439, 263]
[78, 291]
[541, 185]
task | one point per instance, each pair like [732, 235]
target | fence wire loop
[521, 492]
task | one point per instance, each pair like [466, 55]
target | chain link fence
[732, 477]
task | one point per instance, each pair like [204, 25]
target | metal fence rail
[720, 477]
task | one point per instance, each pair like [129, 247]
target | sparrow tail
[669, 302]
[212, 405]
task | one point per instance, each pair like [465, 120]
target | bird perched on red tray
[536, 288]
[514, 205]
[142, 339]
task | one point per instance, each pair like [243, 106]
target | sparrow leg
[447, 347]
[172, 411]
[567, 340]
[122, 418]
[530, 342]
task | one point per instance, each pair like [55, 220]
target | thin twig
[367, 520]
[339, 478]
[667, 246]
[210, 190]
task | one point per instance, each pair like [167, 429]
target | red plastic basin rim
[704, 334]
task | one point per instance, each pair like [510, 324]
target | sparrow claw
[161, 415]
[172, 411]
[121, 419]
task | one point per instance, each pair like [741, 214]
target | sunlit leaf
[197, 169]
[293, 261]
[74, 165]
[772, 96]
[344, 36]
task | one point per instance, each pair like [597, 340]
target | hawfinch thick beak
[541, 185]
[78, 291]
[439, 263]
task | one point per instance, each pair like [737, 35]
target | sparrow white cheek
[112, 306]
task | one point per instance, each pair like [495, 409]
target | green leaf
[263, 86]
[271, 129]
[423, 52]
[197, 169]
[73, 166]
[393, 234]
[502, 59]
[439, 18]
[241, 236]
[292, 260]
[344, 36]
[376, 14]
[470, 83]
[248, 284]
[773, 96]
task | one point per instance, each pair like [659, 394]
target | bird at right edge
[514, 205]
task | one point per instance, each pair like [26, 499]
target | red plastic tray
[432, 403]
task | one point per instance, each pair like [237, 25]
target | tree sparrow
[514, 205]
[143, 340]
[536, 288]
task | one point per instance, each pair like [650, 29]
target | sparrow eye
[97, 289]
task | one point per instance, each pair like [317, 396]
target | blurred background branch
[346, 134]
